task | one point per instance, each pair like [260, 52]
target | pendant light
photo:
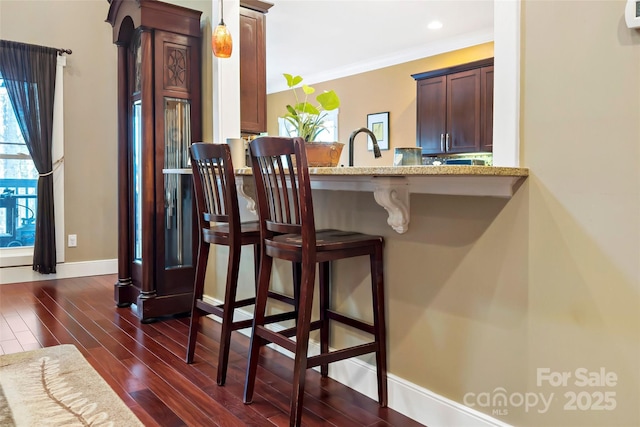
[221, 42]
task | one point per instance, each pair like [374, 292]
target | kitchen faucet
[376, 148]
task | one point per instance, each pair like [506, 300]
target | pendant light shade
[221, 42]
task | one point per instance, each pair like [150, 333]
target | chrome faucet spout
[376, 147]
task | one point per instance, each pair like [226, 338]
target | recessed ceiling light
[434, 25]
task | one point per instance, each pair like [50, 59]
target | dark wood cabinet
[486, 109]
[253, 85]
[432, 114]
[463, 112]
[159, 113]
[452, 105]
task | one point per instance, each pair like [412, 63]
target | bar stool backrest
[283, 189]
[214, 186]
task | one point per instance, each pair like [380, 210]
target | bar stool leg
[296, 271]
[201, 270]
[233, 266]
[377, 283]
[302, 343]
[256, 264]
[266, 263]
[325, 305]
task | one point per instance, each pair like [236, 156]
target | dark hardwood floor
[144, 363]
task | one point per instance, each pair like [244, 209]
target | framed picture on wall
[378, 123]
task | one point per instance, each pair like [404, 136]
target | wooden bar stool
[287, 230]
[217, 201]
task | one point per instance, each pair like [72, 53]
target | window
[18, 181]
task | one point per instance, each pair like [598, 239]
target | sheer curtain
[29, 72]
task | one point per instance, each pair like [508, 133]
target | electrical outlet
[72, 241]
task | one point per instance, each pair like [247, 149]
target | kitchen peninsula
[392, 185]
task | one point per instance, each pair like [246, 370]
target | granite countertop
[441, 170]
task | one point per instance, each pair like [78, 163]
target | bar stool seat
[217, 203]
[287, 229]
[219, 234]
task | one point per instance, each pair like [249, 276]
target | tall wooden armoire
[159, 116]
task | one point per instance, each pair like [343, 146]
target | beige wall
[580, 134]
[481, 292]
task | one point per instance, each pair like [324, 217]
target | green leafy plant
[305, 118]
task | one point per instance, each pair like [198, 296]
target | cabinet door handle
[447, 142]
[442, 142]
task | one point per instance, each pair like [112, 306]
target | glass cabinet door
[136, 148]
[178, 191]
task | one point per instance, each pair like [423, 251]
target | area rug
[56, 386]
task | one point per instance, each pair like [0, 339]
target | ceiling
[327, 39]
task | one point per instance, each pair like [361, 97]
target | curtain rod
[61, 51]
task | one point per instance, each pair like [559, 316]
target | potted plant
[308, 121]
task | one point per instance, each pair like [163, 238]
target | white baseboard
[63, 271]
[411, 400]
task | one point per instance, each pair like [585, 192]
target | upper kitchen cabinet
[253, 80]
[486, 109]
[455, 108]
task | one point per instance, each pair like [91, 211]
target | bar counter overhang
[392, 185]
